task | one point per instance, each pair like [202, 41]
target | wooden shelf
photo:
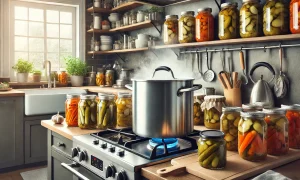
[99, 31]
[288, 37]
[124, 7]
[117, 51]
[98, 10]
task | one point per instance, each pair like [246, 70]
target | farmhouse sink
[47, 101]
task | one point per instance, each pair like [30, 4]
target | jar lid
[274, 111]
[188, 12]
[251, 1]
[171, 16]
[212, 134]
[231, 109]
[228, 4]
[87, 96]
[69, 96]
[106, 97]
[256, 114]
[110, 70]
[199, 95]
[205, 9]
[124, 95]
[291, 107]
[214, 98]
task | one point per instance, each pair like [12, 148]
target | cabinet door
[57, 171]
[11, 131]
[35, 142]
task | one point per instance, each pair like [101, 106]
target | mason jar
[228, 21]
[106, 112]
[109, 78]
[186, 27]
[63, 78]
[124, 110]
[171, 29]
[204, 25]
[71, 109]
[87, 112]
[295, 16]
[198, 113]
[100, 78]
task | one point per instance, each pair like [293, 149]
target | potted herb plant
[155, 13]
[23, 68]
[77, 69]
[36, 75]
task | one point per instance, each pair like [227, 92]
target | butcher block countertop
[11, 93]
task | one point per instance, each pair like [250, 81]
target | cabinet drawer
[61, 143]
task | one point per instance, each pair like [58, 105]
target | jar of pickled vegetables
[212, 149]
[87, 112]
[186, 27]
[252, 136]
[295, 16]
[275, 20]
[251, 107]
[212, 107]
[229, 125]
[198, 113]
[100, 78]
[228, 21]
[204, 25]
[63, 78]
[109, 78]
[106, 112]
[71, 109]
[124, 110]
[54, 75]
[250, 19]
[293, 116]
[277, 134]
[171, 29]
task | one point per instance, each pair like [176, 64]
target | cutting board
[236, 167]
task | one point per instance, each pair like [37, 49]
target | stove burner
[171, 143]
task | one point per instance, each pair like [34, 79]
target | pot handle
[259, 64]
[183, 90]
[129, 86]
[163, 68]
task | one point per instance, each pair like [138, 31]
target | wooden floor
[15, 175]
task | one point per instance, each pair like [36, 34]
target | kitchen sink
[47, 101]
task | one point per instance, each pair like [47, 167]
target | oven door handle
[70, 168]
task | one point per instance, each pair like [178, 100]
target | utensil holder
[233, 97]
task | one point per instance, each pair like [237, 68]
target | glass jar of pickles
[251, 107]
[275, 20]
[229, 125]
[293, 116]
[171, 29]
[228, 21]
[250, 19]
[109, 78]
[63, 78]
[186, 27]
[278, 129]
[198, 113]
[252, 136]
[71, 109]
[124, 110]
[212, 107]
[295, 16]
[54, 75]
[204, 25]
[212, 149]
[100, 78]
[87, 112]
[106, 112]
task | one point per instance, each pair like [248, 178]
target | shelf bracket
[175, 53]
[219, 5]
[120, 57]
[154, 25]
[153, 52]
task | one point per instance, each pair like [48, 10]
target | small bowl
[113, 18]
[105, 47]
[106, 43]
[143, 36]
[140, 44]
[105, 27]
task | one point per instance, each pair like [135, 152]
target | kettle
[261, 93]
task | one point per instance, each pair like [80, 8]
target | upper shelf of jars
[121, 8]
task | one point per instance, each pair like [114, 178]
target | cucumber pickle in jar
[229, 126]
[228, 21]
[212, 149]
[106, 112]
[171, 29]
[252, 136]
[198, 113]
[186, 27]
[87, 112]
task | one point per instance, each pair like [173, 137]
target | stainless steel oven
[79, 172]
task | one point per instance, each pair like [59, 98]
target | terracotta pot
[36, 77]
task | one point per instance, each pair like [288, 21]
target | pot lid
[212, 134]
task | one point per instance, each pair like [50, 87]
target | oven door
[80, 172]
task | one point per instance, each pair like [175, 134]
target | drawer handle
[60, 144]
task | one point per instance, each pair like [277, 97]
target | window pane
[36, 29]
[21, 43]
[66, 17]
[52, 16]
[21, 55]
[65, 46]
[54, 58]
[21, 28]
[21, 13]
[53, 45]
[52, 30]
[37, 59]
[62, 60]
[66, 31]
[36, 14]
[36, 44]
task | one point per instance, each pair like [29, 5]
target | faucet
[48, 72]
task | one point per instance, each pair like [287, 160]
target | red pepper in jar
[294, 127]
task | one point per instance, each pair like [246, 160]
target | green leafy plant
[156, 9]
[75, 67]
[36, 72]
[23, 66]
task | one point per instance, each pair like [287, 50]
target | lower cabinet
[57, 172]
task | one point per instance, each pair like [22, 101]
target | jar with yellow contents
[171, 29]
[198, 113]
[228, 21]
[212, 107]
[100, 78]
[109, 78]
[124, 110]
[186, 26]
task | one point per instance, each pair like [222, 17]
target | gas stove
[120, 154]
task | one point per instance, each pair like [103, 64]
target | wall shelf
[98, 10]
[117, 51]
[99, 31]
[124, 7]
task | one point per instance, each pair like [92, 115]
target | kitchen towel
[38, 174]
[271, 175]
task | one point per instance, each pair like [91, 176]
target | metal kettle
[261, 93]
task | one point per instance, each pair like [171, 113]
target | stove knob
[95, 141]
[111, 149]
[82, 156]
[75, 152]
[103, 145]
[110, 171]
[121, 152]
[122, 175]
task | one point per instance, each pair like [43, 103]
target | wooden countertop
[11, 93]
[96, 89]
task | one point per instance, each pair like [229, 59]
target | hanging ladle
[209, 75]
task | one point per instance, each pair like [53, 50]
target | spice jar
[126, 19]
[251, 107]
[71, 109]
[133, 16]
[63, 78]
[295, 16]
[198, 113]
[171, 29]
[186, 27]
[124, 110]
[250, 19]
[275, 20]
[140, 16]
[252, 136]
[107, 112]
[278, 129]
[109, 78]
[228, 21]
[229, 125]
[100, 78]
[204, 25]
[211, 149]
[87, 112]
[293, 116]
[212, 107]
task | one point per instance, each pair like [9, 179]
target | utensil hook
[208, 65]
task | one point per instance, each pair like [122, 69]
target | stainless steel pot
[163, 108]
